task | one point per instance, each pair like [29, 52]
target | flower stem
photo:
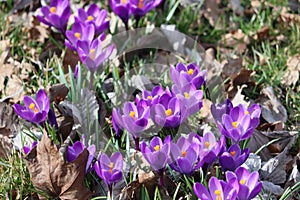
[110, 192]
[91, 80]
[137, 141]
[161, 176]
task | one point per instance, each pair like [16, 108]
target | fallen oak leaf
[51, 174]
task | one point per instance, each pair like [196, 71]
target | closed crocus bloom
[94, 16]
[35, 110]
[109, 169]
[184, 155]
[117, 121]
[245, 183]
[74, 151]
[27, 148]
[233, 158]
[93, 54]
[220, 109]
[79, 32]
[122, 9]
[190, 73]
[139, 8]
[56, 15]
[238, 124]
[157, 153]
[218, 190]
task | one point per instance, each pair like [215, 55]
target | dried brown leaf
[51, 174]
[212, 13]
[5, 146]
[236, 40]
[58, 93]
[271, 108]
[293, 68]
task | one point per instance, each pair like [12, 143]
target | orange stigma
[33, 108]
[149, 97]
[190, 71]
[169, 112]
[132, 114]
[157, 148]
[242, 182]
[232, 153]
[78, 35]
[235, 124]
[207, 144]
[218, 195]
[141, 4]
[53, 9]
[90, 18]
[183, 153]
[111, 166]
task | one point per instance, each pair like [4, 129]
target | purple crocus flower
[94, 16]
[184, 155]
[35, 110]
[233, 158]
[122, 9]
[210, 149]
[93, 54]
[220, 109]
[190, 98]
[157, 154]
[152, 97]
[74, 151]
[27, 148]
[92, 152]
[168, 111]
[187, 73]
[134, 118]
[139, 8]
[218, 190]
[244, 182]
[56, 15]
[79, 32]
[109, 169]
[240, 123]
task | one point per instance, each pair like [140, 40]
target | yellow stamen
[235, 124]
[53, 9]
[90, 18]
[190, 71]
[111, 165]
[78, 35]
[186, 95]
[169, 112]
[149, 97]
[123, 2]
[92, 50]
[157, 148]
[132, 114]
[33, 108]
[232, 153]
[218, 193]
[141, 4]
[207, 144]
[183, 153]
[242, 181]
[246, 112]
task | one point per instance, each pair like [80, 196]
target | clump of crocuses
[34, 110]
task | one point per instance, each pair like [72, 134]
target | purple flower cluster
[165, 107]
[241, 185]
[186, 155]
[138, 8]
[87, 33]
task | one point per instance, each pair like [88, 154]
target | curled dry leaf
[236, 40]
[5, 146]
[58, 93]
[271, 108]
[212, 13]
[51, 174]
[293, 68]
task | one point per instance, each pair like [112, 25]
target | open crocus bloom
[239, 123]
[94, 16]
[109, 169]
[218, 190]
[245, 183]
[184, 155]
[191, 73]
[35, 110]
[157, 154]
[122, 9]
[80, 32]
[233, 158]
[93, 54]
[56, 15]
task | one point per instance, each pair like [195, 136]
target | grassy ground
[267, 56]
